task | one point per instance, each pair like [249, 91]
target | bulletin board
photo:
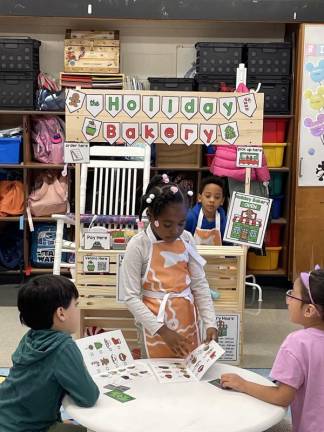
[311, 133]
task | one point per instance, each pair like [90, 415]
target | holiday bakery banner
[164, 117]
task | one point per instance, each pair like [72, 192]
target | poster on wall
[311, 134]
[99, 115]
[247, 219]
[228, 326]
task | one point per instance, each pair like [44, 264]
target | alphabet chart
[192, 368]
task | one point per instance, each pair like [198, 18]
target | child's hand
[211, 334]
[233, 381]
[180, 345]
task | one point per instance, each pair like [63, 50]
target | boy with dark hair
[47, 364]
[207, 219]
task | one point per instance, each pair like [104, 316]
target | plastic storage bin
[172, 84]
[217, 58]
[43, 245]
[19, 55]
[274, 130]
[274, 154]
[273, 235]
[10, 150]
[210, 83]
[276, 93]
[18, 90]
[276, 183]
[268, 262]
[269, 58]
[277, 207]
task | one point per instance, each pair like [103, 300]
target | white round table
[181, 407]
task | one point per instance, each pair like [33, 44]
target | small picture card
[249, 157]
[96, 264]
[119, 396]
[76, 153]
[96, 240]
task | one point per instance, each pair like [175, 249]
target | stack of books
[92, 80]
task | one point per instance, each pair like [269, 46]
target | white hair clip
[150, 198]
[174, 189]
[165, 178]
[190, 193]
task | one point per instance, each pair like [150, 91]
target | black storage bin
[18, 90]
[18, 55]
[269, 58]
[217, 58]
[276, 93]
[172, 84]
[212, 83]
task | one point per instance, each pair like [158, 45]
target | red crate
[274, 130]
[273, 235]
[209, 158]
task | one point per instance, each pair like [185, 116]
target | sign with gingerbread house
[247, 219]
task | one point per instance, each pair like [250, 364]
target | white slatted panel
[129, 176]
[122, 192]
[100, 197]
[134, 191]
[94, 191]
[106, 191]
[117, 194]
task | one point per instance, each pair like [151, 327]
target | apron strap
[201, 217]
[186, 293]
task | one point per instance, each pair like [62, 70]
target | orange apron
[210, 237]
[166, 292]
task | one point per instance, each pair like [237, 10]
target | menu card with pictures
[192, 368]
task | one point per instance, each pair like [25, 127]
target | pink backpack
[48, 138]
[50, 197]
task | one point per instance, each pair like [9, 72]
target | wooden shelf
[278, 272]
[280, 169]
[16, 166]
[39, 270]
[9, 218]
[10, 272]
[288, 116]
[40, 165]
[31, 112]
[179, 168]
[280, 221]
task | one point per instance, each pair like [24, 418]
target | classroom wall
[148, 48]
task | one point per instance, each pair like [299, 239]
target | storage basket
[10, 150]
[218, 58]
[273, 235]
[277, 207]
[271, 59]
[276, 93]
[274, 154]
[18, 90]
[268, 262]
[18, 55]
[172, 84]
[276, 183]
[274, 130]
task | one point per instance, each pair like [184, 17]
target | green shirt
[47, 365]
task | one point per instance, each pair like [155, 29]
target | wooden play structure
[225, 268]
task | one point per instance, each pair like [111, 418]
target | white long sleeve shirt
[133, 270]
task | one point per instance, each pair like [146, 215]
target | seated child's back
[47, 363]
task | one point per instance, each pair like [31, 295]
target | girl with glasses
[298, 369]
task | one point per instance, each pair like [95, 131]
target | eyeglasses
[288, 294]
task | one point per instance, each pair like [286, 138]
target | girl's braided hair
[161, 192]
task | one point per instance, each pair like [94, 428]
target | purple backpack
[48, 139]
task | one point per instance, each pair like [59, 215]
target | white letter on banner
[150, 132]
[114, 104]
[169, 132]
[189, 106]
[130, 132]
[111, 132]
[170, 106]
[208, 133]
[94, 104]
[132, 104]
[151, 105]
[189, 133]
[208, 107]
[227, 106]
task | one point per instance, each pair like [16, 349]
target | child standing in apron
[207, 219]
[163, 278]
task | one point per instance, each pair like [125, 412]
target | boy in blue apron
[207, 219]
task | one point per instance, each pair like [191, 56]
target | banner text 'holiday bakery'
[164, 117]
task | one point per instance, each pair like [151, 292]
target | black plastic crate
[18, 90]
[217, 58]
[269, 58]
[276, 93]
[172, 84]
[19, 55]
[211, 83]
